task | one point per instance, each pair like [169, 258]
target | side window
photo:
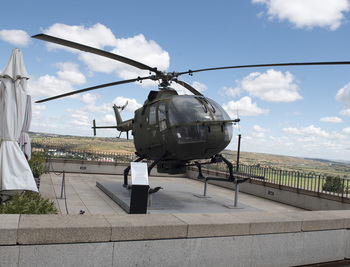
[162, 116]
[152, 115]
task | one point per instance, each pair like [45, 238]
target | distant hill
[106, 144]
[110, 144]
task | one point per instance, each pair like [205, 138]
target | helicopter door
[162, 117]
[153, 129]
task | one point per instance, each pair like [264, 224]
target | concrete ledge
[146, 227]
[55, 229]
[214, 224]
[8, 229]
[248, 239]
[270, 223]
[64, 229]
[321, 220]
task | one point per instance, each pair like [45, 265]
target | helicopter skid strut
[232, 178]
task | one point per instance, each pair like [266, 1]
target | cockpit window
[152, 115]
[162, 116]
[161, 111]
[188, 109]
[218, 111]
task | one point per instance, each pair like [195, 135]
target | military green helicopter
[170, 129]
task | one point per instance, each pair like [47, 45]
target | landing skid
[217, 159]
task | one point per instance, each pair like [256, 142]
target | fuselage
[180, 127]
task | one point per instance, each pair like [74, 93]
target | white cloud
[137, 48]
[313, 134]
[89, 98]
[272, 86]
[36, 112]
[245, 107]
[147, 52]
[315, 142]
[343, 95]
[229, 91]
[310, 131]
[104, 108]
[331, 119]
[109, 120]
[47, 86]
[345, 112]
[258, 135]
[70, 72]
[199, 86]
[258, 128]
[346, 131]
[308, 13]
[79, 117]
[295, 113]
[181, 90]
[15, 37]
[97, 35]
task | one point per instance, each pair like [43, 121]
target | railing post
[280, 179]
[298, 182]
[319, 182]
[63, 186]
[236, 193]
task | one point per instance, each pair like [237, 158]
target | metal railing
[320, 183]
[315, 182]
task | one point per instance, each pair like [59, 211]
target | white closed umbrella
[15, 173]
[24, 140]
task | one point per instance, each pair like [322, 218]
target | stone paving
[81, 195]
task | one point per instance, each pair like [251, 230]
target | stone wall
[93, 167]
[229, 239]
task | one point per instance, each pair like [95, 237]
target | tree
[333, 184]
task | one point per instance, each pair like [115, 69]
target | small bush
[28, 203]
[37, 164]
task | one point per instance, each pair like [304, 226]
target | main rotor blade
[188, 87]
[92, 88]
[269, 65]
[93, 50]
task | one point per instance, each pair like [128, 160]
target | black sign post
[139, 199]
[139, 188]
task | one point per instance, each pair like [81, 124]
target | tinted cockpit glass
[186, 110]
[189, 109]
[219, 112]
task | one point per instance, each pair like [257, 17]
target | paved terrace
[83, 195]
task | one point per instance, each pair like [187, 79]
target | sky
[301, 111]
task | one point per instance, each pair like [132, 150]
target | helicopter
[172, 130]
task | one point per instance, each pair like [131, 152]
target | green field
[99, 144]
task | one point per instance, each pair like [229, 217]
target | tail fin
[117, 113]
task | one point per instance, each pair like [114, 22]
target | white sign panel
[139, 173]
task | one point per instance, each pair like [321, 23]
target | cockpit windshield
[188, 109]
